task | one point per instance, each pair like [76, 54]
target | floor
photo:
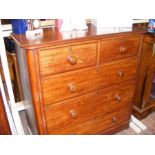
[149, 121]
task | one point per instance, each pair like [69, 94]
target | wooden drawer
[56, 60]
[63, 86]
[98, 124]
[116, 48]
[88, 106]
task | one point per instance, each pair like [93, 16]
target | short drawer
[98, 124]
[116, 48]
[62, 59]
[67, 85]
[88, 106]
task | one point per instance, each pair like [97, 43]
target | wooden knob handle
[120, 73]
[117, 98]
[72, 60]
[123, 49]
[70, 49]
[72, 113]
[72, 88]
[114, 119]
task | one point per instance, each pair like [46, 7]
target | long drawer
[86, 107]
[62, 59]
[98, 124]
[66, 85]
[116, 48]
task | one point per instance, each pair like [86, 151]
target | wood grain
[143, 104]
[54, 37]
[82, 84]
[97, 124]
[4, 125]
[117, 48]
[55, 60]
[88, 106]
[35, 90]
[55, 88]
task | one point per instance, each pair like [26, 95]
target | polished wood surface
[14, 75]
[4, 125]
[91, 79]
[82, 83]
[15, 80]
[71, 57]
[86, 107]
[143, 104]
[36, 91]
[54, 37]
[121, 47]
[98, 124]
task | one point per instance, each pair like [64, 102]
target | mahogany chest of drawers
[81, 85]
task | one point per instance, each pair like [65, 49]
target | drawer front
[71, 84]
[63, 59]
[98, 124]
[119, 48]
[87, 107]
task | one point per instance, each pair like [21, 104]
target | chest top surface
[53, 36]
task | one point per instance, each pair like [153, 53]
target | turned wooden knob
[70, 49]
[123, 49]
[114, 119]
[117, 98]
[72, 113]
[72, 87]
[72, 60]
[120, 73]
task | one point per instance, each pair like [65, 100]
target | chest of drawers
[79, 86]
